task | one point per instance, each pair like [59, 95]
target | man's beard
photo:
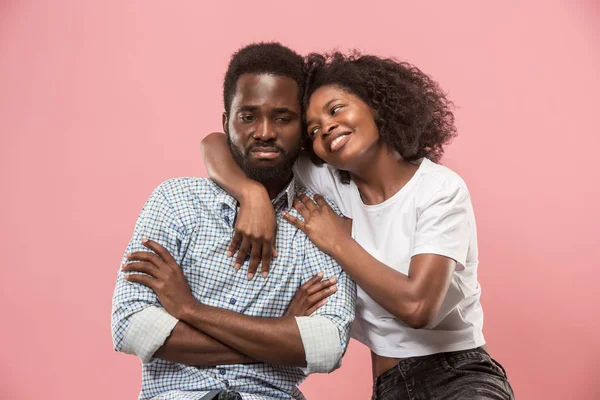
[266, 175]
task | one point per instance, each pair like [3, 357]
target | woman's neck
[383, 176]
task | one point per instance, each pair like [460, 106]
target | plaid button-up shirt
[193, 219]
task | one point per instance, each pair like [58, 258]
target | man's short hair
[263, 58]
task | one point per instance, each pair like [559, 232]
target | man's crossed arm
[205, 335]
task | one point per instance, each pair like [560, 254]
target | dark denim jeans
[468, 374]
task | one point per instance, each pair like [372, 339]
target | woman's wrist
[252, 190]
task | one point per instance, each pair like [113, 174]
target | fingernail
[334, 288]
[320, 274]
[333, 279]
[128, 256]
[237, 266]
[264, 274]
[144, 241]
[250, 275]
[123, 265]
[229, 253]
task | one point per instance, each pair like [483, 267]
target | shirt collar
[285, 198]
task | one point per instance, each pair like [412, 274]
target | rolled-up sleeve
[147, 331]
[139, 324]
[322, 344]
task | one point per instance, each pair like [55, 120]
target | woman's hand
[321, 224]
[311, 296]
[255, 232]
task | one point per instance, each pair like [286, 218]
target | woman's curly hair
[412, 113]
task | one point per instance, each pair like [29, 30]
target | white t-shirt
[431, 214]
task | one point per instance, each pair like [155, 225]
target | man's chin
[265, 163]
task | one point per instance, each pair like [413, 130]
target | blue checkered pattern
[193, 218]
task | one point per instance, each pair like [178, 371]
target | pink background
[100, 101]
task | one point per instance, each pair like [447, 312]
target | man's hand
[161, 273]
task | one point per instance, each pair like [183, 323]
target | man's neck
[274, 188]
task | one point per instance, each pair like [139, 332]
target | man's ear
[225, 123]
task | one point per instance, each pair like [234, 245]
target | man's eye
[283, 120]
[335, 109]
[247, 118]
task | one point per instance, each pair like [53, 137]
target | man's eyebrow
[247, 108]
[284, 110]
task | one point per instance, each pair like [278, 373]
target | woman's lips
[339, 142]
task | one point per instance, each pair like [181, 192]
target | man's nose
[265, 131]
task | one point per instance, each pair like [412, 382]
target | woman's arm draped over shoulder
[255, 224]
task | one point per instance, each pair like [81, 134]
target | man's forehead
[266, 90]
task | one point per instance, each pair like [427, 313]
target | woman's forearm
[223, 169]
[414, 298]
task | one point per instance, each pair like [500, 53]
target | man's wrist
[187, 311]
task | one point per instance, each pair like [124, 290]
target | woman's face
[342, 128]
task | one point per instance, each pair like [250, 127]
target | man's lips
[266, 153]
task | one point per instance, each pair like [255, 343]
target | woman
[380, 125]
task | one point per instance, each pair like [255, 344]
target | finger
[146, 256]
[321, 285]
[160, 250]
[267, 254]
[242, 253]
[321, 202]
[321, 294]
[315, 279]
[274, 242]
[314, 308]
[299, 206]
[145, 280]
[294, 221]
[235, 244]
[255, 255]
[307, 201]
[143, 267]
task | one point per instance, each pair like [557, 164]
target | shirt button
[226, 219]
[222, 371]
[405, 367]
[232, 301]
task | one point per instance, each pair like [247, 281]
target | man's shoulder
[299, 189]
[186, 189]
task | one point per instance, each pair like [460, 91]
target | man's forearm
[189, 346]
[271, 340]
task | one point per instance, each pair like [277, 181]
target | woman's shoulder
[317, 177]
[436, 178]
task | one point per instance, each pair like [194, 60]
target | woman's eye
[335, 109]
[313, 132]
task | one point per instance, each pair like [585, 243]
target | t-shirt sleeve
[323, 179]
[444, 223]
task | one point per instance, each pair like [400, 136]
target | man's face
[263, 126]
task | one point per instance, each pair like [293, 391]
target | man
[203, 329]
